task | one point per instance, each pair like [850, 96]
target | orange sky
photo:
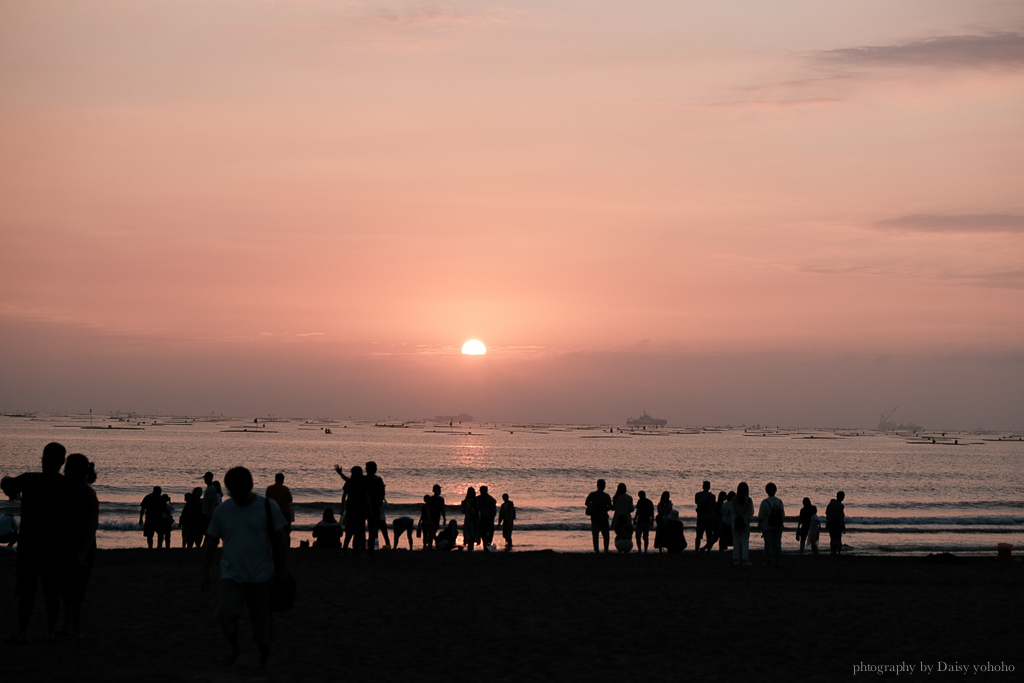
[796, 212]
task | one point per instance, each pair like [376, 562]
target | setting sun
[474, 348]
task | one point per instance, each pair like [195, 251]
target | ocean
[906, 493]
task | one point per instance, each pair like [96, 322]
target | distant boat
[646, 420]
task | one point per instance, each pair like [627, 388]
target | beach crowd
[725, 520]
[56, 537]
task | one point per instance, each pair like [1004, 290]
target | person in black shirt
[644, 519]
[44, 543]
[327, 531]
[150, 513]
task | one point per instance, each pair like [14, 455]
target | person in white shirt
[253, 530]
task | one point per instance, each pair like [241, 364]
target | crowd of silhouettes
[724, 521]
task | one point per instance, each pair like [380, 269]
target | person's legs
[487, 533]
[359, 540]
[26, 591]
[595, 529]
[258, 597]
[229, 606]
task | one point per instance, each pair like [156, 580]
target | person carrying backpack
[771, 518]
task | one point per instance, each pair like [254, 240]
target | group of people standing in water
[725, 521]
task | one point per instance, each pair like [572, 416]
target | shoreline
[540, 614]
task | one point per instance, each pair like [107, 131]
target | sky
[794, 213]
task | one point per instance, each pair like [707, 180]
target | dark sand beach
[542, 616]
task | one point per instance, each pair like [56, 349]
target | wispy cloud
[996, 279]
[983, 51]
[955, 223]
[1006, 279]
[775, 104]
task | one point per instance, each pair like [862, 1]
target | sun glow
[474, 348]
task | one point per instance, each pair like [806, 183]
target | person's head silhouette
[239, 483]
[53, 457]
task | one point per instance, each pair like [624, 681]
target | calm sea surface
[964, 493]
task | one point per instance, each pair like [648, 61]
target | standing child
[813, 530]
[506, 520]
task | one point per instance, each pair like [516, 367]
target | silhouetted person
[43, 540]
[163, 534]
[212, 496]
[598, 504]
[150, 513]
[674, 534]
[83, 522]
[803, 523]
[835, 520]
[8, 529]
[282, 495]
[376, 493]
[470, 519]
[771, 517]
[507, 520]
[191, 519]
[438, 516]
[425, 527]
[705, 502]
[252, 529]
[813, 530]
[488, 508]
[356, 501]
[622, 518]
[447, 537]
[738, 514]
[644, 520]
[664, 507]
[327, 532]
[724, 534]
[402, 525]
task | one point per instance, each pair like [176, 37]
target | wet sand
[541, 616]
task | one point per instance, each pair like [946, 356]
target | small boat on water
[646, 420]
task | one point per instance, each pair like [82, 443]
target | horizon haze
[796, 214]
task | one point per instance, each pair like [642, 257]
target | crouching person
[253, 531]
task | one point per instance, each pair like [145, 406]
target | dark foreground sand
[542, 616]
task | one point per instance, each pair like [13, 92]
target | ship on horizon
[646, 420]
